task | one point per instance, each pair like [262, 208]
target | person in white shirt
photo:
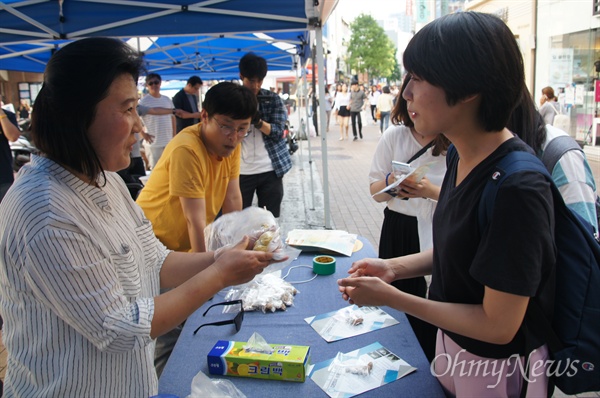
[80, 268]
[373, 97]
[342, 109]
[160, 127]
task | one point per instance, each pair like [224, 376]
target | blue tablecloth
[288, 327]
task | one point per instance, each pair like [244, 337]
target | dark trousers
[355, 116]
[373, 107]
[268, 188]
[400, 237]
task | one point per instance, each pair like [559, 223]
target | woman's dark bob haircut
[470, 53]
[76, 79]
[230, 99]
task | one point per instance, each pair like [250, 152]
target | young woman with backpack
[482, 279]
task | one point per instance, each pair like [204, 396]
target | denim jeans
[384, 121]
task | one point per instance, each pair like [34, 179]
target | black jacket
[180, 101]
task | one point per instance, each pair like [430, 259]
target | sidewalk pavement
[352, 208]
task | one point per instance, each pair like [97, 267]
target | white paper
[337, 382]
[417, 173]
[336, 325]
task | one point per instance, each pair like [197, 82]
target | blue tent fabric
[71, 19]
[190, 37]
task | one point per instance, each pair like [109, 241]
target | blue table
[288, 327]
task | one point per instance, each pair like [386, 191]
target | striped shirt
[159, 126]
[573, 177]
[79, 267]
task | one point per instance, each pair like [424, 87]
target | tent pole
[299, 113]
[323, 123]
[307, 131]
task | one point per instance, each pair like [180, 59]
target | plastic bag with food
[256, 223]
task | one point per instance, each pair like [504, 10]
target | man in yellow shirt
[196, 177]
[198, 173]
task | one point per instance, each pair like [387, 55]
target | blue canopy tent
[179, 57]
[204, 38]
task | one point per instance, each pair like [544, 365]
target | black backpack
[573, 336]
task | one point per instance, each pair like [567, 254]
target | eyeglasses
[237, 321]
[228, 130]
[153, 82]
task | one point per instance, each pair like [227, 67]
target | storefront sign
[561, 66]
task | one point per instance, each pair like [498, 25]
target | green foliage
[370, 50]
[396, 72]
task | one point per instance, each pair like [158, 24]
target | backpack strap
[512, 163]
[556, 148]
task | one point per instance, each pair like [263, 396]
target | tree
[396, 74]
[370, 50]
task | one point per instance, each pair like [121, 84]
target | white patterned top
[79, 267]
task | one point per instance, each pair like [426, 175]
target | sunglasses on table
[153, 82]
[237, 321]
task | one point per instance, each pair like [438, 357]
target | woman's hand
[422, 189]
[366, 290]
[237, 265]
[376, 267]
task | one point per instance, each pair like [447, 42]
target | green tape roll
[323, 265]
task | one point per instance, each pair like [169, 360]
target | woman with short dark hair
[482, 278]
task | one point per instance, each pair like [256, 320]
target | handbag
[377, 114]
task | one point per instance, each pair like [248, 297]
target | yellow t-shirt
[185, 169]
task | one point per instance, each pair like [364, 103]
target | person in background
[265, 155]
[373, 96]
[408, 215]
[328, 105]
[342, 108]
[80, 268]
[137, 168]
[549, 107]
[9, 131]
[24, 109]
[358, 100]
[384, 105]
[482, 278]
[160, 127]
[186, 100]
[572, 173]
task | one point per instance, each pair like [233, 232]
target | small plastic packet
[204, 386]
[257, 343]
[341, 364]
[349, 317]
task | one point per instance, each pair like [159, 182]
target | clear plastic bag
[266, 293]
[262, 229]
[342, 364]
[203, 386]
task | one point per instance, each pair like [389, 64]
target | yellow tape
[323, 265]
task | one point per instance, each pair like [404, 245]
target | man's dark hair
[252, 66]
[192, 81]
[469, 53]
[153, 75]
[230, 99]
[62, 115]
